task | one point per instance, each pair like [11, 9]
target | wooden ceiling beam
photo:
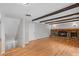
[58, 11]
[64, 20]
[60, 17]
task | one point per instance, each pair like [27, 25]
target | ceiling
[14, 10]
[18, 10]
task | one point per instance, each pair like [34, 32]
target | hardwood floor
[53, 46]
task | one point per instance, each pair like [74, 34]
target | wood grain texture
[63, 21]
[58, 11]
[53, 46]
[60, 17]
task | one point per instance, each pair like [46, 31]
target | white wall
[11, 27]
[41, 30]
[27, 31]
[31, 31]
[19, 37]
[38, 30]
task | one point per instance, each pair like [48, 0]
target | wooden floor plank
[53, 46]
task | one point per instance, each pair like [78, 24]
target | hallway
[53, 46]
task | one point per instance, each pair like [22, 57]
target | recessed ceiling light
[54, 25]
[74, 24]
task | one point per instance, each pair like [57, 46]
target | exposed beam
[58, 11]
[61, 17]
[59, 21]
[64, 22]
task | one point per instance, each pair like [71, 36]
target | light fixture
[54, 26]
[74, 24]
